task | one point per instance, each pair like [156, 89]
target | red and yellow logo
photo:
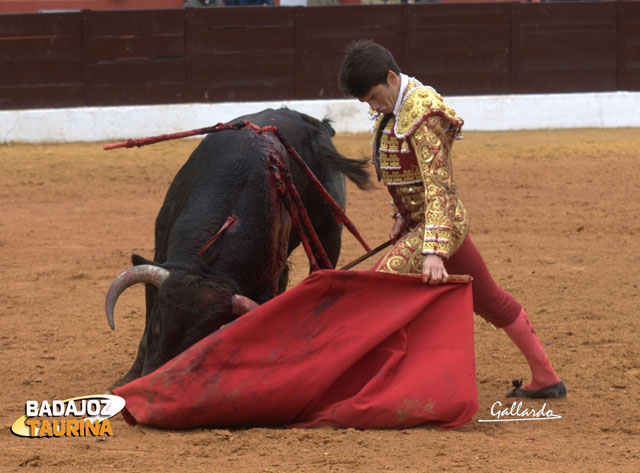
[76, 417]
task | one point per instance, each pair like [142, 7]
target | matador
[413, 135]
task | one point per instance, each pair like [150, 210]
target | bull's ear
[138, 260]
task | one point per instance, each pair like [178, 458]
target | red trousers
[489, 300]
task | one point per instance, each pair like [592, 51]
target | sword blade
[378, 248]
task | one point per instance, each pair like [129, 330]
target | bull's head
[184, 309]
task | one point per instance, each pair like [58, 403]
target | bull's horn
[241, 305]
[146, 273]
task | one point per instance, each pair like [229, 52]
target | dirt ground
[554, 213]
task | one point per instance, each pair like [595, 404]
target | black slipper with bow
[555, 391]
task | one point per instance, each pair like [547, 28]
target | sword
[368, 254]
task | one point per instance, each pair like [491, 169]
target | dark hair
[365, 65]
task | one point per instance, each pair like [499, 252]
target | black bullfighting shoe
[555, 391]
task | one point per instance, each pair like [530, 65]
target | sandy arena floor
[555, 214]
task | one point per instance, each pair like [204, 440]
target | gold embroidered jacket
[414, 155]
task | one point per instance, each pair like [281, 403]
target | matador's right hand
[433, 270]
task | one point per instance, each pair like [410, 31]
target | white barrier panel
[487, 113]
[544, 111]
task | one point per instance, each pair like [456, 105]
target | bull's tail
[355, 169]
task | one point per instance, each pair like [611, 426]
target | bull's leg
[330, 231]
[136, 369]
[283, 280]
[330, 235]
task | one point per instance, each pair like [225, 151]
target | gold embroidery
[418, 215]
[389, 144]
[403, 176]
[400, 177]
[405, 256]
[443, 212]
[389, 160]
[405, 190]
[412, 198]
[420, 104]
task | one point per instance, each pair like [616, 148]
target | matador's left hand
[398, 228]
[433, 271]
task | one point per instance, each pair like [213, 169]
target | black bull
[190, 292]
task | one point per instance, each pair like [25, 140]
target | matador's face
[382, 97]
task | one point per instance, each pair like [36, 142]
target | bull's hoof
[555, 391]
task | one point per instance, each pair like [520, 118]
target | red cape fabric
[356, 349]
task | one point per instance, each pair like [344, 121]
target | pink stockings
[522, 333]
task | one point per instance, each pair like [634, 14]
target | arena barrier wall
[498, 112]
[242, 54]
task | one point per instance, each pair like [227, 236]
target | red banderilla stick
[303, 216]
[341, 217]
[172, 136]
[212, 240]
[286, 200]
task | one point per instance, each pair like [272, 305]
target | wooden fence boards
[458, 51]
[46, 24]
[134, 57]
[324, 33]
[241, 53]
[33, 6]
[628, 45]
[257, 53]
[40, 60]
[567, 46]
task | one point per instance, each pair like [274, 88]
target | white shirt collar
[404, 82]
